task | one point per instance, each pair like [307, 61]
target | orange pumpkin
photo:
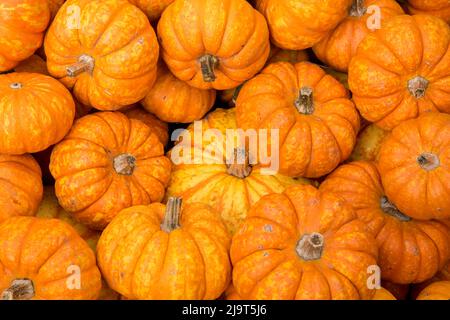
[44, 106]
[106, 163]
[414, 165]
[160, 128]
[22, 25]
[228, 47]
[108, 57]
[436, 291]
[165, 252]
[338, 47]
[438, 8]
[153, 9]
[54, 6]
[34, 64]
[173, 100]
[399, 291]
[402, 70]
[410, 251]
[383, 294]
[45, 259]
[317, 121]
[368, 143]
[301, 24]
[302, 244]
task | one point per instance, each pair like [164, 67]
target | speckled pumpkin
[106, 163]
[108, 58]
[165, 252]
[402, 70]
[303, 244]
[436, 291]
[45, 259]
[152, 8]
[438, 8]
[368, 143]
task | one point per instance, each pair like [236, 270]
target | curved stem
[305, 101]
[429, 161]
[357, 9]
[390, 209]
[240, 167]
[85, 63]
[310, 246]
[124, 164]
[418, 86]
[208, 63]
[172, 216]
[20, 289]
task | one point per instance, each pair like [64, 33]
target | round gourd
[152, 8]
[436, 291]
[368, 143]
[160, 128]
[438, 8]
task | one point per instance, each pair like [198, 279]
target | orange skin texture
[160, 128]
[230, 30]
[54, 5]
[119, 37]
[419, 193]
[153, 9]
[34, 64]
[267, 266]
[43, 250]
[45, 108]
[383, 294]
[436, 291]
[387, 59]
[211, 184]
[409, 251]
[300, 24]
[442, 275]
[87, 184]
[173, 100]
[141, 261]
[368, 143]
[438, 8]
[309, 145]
[338, 47]
[20, 186]
[22, 26]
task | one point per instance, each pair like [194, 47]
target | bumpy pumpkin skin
[269, 261]
[46, 252]
[383, 294]
[173, 100]
[410, 251]
[110, 60]
[153, 9]
[300, 24]
[141, 260]
[213, 44]
[368, 143]
[44, 106]
[339, 46]
[438, 8]
[414, 165]
[436, 291]
[160, 128]
[314, 136]
[106, 163]
[20, 186]
[402, 70]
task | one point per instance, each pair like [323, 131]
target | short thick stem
[172, 216]
[20, 289]
[418, 86]
[310, 246]
[208, 63]
[428, 161]
[240, 166]
[357, 9]
[85, 64]
[390, 209]
[124, 164]
[305, 101]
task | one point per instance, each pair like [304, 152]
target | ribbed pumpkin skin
[436, 291]
[310, 144]
[231, 30]
[152, 8]
[160, 128]
[120, 40]
[44, 106]
[438, 8]
[409, 251]
[383, 294]
[43, 250]
[264, 254]
[89, 184]
[402, 70]
[368, 143]
[20, 186]
[339, 46]
[141, 261]
[419, 191]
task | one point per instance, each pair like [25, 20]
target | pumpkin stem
[208, 63]
[428, 161]
[172, 217]
[20, 289]
[357, 9]
[418, 86]
[390, 208]
[85, 63]
[310, 246]
[305, 102]
[240, 167]
[124, 164]
[16, 85]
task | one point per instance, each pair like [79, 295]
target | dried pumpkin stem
[240, 166]
[20, 289]
[85, 63]
[389, 208]
[208, 63]
[124, 164]
[357, 9]
[305, 101]
[310, 246]
[172, 216]
[428, 161]
[418, 86]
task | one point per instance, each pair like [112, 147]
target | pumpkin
[45, 259]
[166, 252]
[173, 100]
[368, 143]
[438, 8]
[228, 47]
[153, 9]
[442, 275]
[317, 121]
[20, 186]
[436, 291]
[108, 58]
[229, 186]
[410, 251]
[383, 294]
[300, 24]
[402, 70]
[34, 64]
[414, 166]
[106, 163]
[54, 6]
[22, 24]
[399, 291]
[160, 128]
[338, 47]
[303, 244]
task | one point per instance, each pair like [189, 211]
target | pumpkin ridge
[431, 240]
[111, 19]
[394, 54]
[30, 226]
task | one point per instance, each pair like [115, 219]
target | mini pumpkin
[368, 143]
[106, 163]
[153, 9]
[436, 291]
[438, 8]
[383, 294]
[160, 128]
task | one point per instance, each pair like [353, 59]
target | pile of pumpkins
[92, 205]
